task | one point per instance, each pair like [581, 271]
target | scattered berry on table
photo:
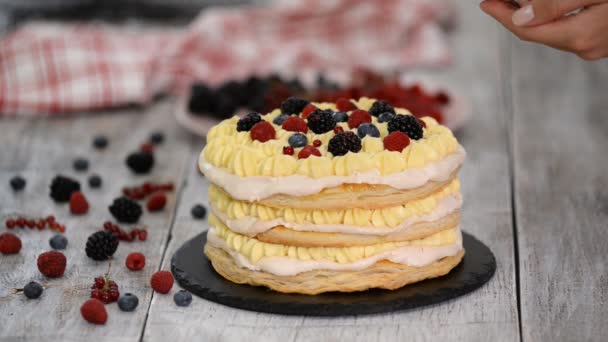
[385, 117]
[101, 245]
[125, 210]
[288, 150]
[297, 140]
[380, 107]
[295, 124]
[247, 122]
[345, 105]
[93, 311]
[407, 124]
[140, 162]
[157, 137]
[33, 290]
[340, 116]
[307, 151]
[307, 110]
[343, 142]
[52, 264]
[40, 223]
[182, 298]
[17, 183]
[100, 142]
[358, 117]
[162, 281]
[95, 181]
[157, 201]
[80, 164]
[136, 233]
[9, 243]
[135, 261]
[105, 290]
[146, 147]
[263, 131]
[293, 105]
[198, 211]
[128, 302]
[396, 141]
[368, 129]
[321, 121]
[58, 242]
[10, 223]
[78, 203]
[62, 188]
[280, 119]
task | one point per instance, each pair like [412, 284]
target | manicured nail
[523, 15]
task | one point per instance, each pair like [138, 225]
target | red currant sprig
[142, 191]
[137, 233]
[21, 221]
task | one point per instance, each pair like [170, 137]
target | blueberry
[198, 211]
[182, 298]
[280, 119]
[157, 137]
[32, 290]
[58, 242]
[128, 302]
[17, 183]
[368, 129]
[80, 164]
[385, 117]
[340, 116]
[95, 181]
[100, 142]
[297, 140]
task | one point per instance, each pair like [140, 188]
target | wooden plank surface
[560, 137]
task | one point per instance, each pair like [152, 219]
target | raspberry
[62, 188]
[157, 201]
[78, 203]
[343, 142]
[52, 264]
[396, 141]
[307, 110]
[162, 281]
[407, 124]
[321, 121]
[263, 131]
[247, 122]
[135, 261]
[357, 117]
[307, 151]
[288, 150]
[140, 162]
[93, 311]
[293, 105]
[101, 245]
[380, 107]
[295, 124]
[9, 243]
[344, 105]
[125, 210]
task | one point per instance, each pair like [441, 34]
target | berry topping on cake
[62, 188]
[340, 116]
[407, 124]
[101, 245]
[280, 119]
[125, 210]
[307, 110]
[343, 142]
[51, 264]
[297, 140]
[321, 121]
[247, 122]
[396, 141]
[338, 129]
[357, 117]
[9, 243]
[421, 122]
[307, 151]
[293, 105]
[93, 311]
[385, 117]
[380, 107]
[78, 203]
[288, 150]
[345, 105]
[295, 124]
[162, 281]
[140, 162]
[317, 143]
[368, 129]
[263, 131]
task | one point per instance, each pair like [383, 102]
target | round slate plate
[194, 272]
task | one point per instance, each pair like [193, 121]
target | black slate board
[194, 272]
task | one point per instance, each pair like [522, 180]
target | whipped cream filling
[251, 226]
[258, 187]
[283, 266]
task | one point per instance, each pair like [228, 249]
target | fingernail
[523, 15]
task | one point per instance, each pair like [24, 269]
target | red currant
[20, 222]
[30, 223]
[316, 143]
[10, 223]
[288, 150]
[100, 282]
[143, 235]
[41, 224]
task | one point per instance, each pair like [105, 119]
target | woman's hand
[553, 23]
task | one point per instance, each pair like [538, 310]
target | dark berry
[293, 105]
[368, 129]
[407, 124]
[95, 181]
[101, 245]
[343, 142]
[202, 99]
[62, 188]
[340, 117]
[280, 119]
[32, 290]
[380, 107]
[182, 298]
[140, 162]
[385, 117]
[128, 302]
[247, 122]
[100, 142]
[17, 183]
[321, 121]
[80, 164]
[157, 137]
[198, 211]
[125, 210]
[297, 140]
[58, 242]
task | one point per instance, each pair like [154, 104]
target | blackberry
[95, 181]
[58, 242]
[340, 116]
[293, 105]
[280, 119]
[380, 107]
[100, 142]
[368, 129]
[385, 117]
[198, 211]
[101, 245]
[157, 137]
[182, 298]
[406, 124]
[297, 140]
[62, 188]
[32, 290]
[125, 210]
[128, 302]
[321, 121]
[80, 164]
[17, 183]
[343, 142]
[140, 162]
[248, 121]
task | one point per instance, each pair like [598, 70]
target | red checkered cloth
[53, 68]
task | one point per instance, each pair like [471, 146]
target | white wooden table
[535, 186]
